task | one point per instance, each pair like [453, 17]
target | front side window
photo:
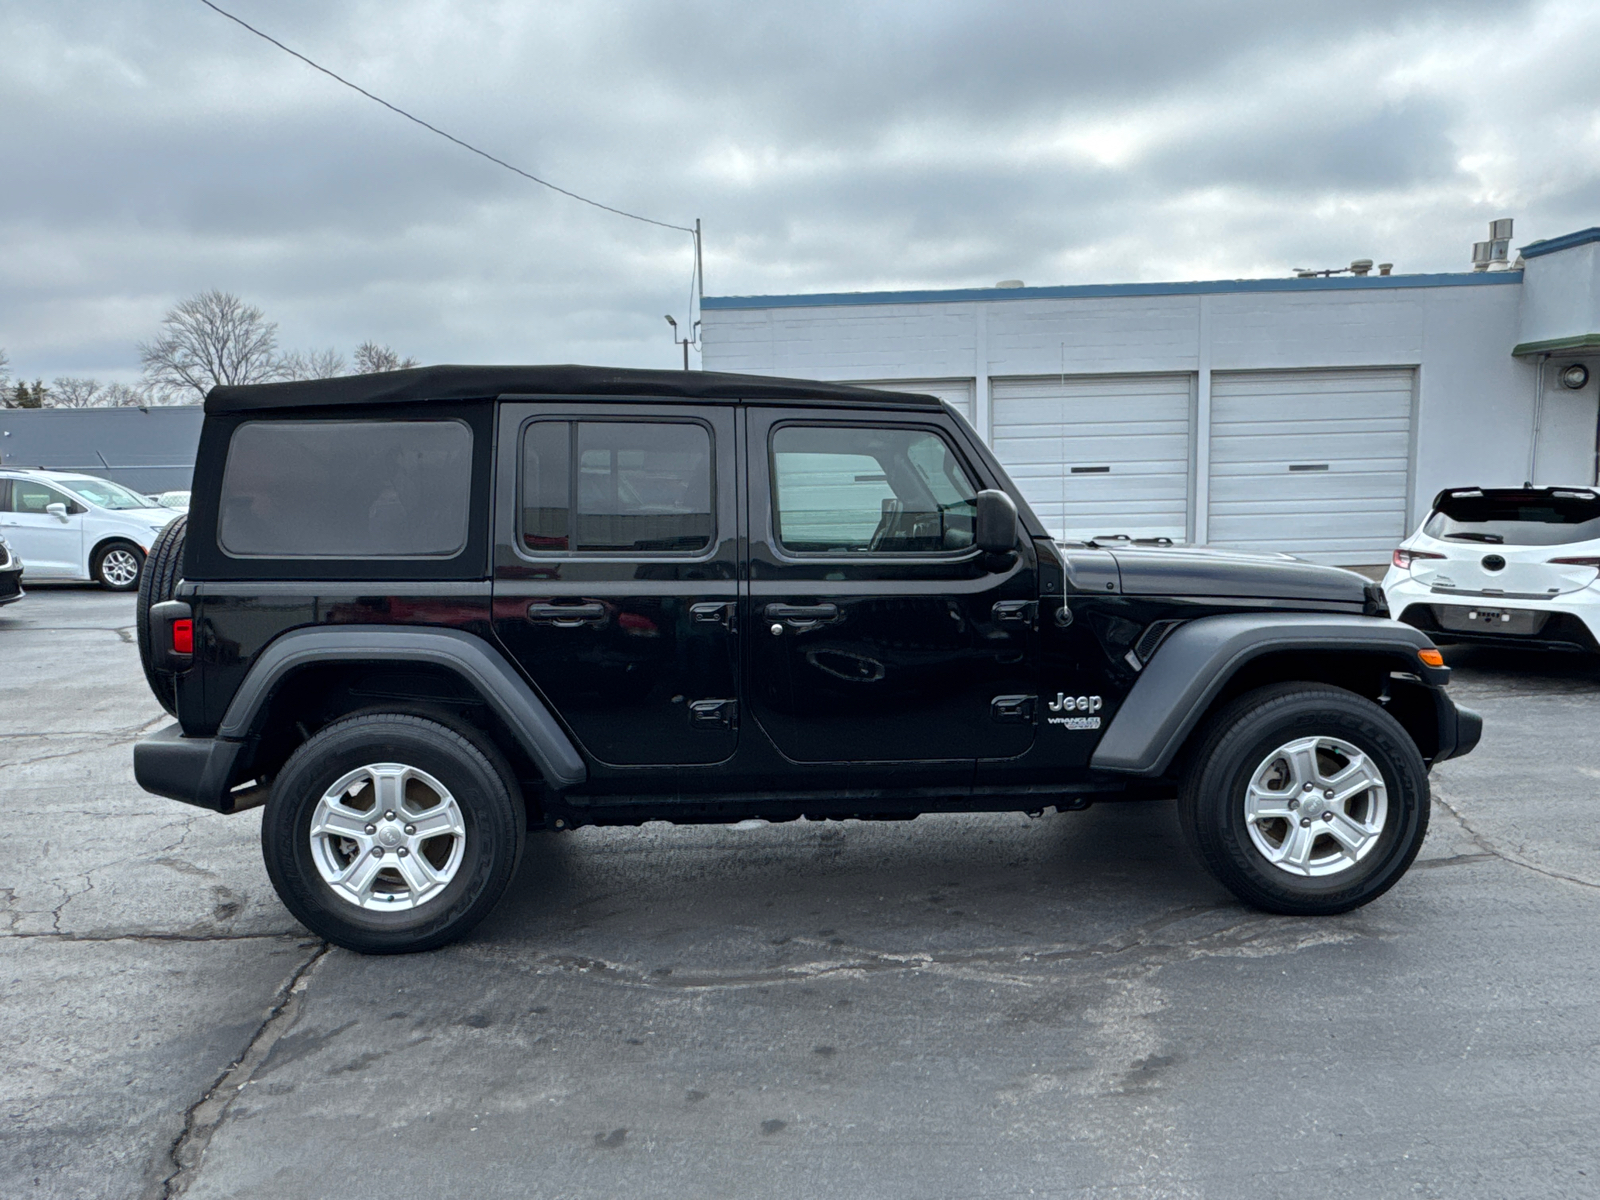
[347, 489]
[30, 496]
[854, 490]
[620, 487]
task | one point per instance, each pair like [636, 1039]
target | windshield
[1517, 519]
[107, 494]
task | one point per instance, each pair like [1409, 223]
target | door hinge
[713, 714]
[712, 612]
[1014, 612]
[1013, 710]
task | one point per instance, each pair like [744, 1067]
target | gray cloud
[152, 149]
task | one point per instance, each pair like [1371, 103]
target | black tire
[1237, 743]
[111, 556]
[157, 583]
[477, 779]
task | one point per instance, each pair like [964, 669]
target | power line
[448, 136]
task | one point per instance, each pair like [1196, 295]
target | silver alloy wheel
[119, 567]
[1316, 806]
[387, 837]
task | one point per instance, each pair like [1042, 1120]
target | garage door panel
[1350, 433]
[1129, 437]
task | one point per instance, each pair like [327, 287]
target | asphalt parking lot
[956, 1006]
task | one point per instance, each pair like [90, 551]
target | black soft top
[446, 383]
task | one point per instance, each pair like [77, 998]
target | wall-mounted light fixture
[1575, 376]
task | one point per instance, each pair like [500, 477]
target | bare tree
[210, 339]
[71, 391]
[372, 358]
[122, 395]
[5, 370]
[317, 364]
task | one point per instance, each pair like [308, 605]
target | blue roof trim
[1350, 283]
[1564, 242]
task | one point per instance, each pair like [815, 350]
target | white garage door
[958, 392]
[1099, 454]
[1315, 463]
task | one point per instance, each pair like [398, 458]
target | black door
[876, 631]
[616, 573]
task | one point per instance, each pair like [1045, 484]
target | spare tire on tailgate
[162, 570]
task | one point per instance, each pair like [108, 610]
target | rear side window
[839, 489]
[1517, 519]
[347, 489]
[616, 487]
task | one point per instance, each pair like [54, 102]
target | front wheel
[117, 566]
[387, 833]
[1305, 799]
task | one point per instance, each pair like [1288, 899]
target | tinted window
[347, 489]
[616, 486]
[1516, 519]
[864, 490]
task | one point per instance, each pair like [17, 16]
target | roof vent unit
[1009, 283]
[1497, 250]
[1361, 266]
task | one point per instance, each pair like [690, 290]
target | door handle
[802, 614]
[567, 616]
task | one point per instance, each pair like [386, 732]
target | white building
[1313, 415]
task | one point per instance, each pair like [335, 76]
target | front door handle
[567, 616]
[802, 614]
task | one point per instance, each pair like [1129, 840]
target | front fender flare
[1198, 658]
[482, 667]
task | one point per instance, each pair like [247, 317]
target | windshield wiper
[1494, 538]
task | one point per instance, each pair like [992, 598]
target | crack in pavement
[206, 1114]
[1489, 848]
[153, 937]
[1257, 936]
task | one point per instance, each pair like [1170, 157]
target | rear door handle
[567, 616]
[802, 614]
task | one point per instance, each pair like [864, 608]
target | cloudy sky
[150, 149]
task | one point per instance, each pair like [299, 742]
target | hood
[1193, 571]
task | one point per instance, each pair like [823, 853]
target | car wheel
[117, 566]
[1305, 799]
[388, 833]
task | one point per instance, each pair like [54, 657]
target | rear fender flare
[466, 655]
[1197, 660]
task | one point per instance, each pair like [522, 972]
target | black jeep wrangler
[425, 612]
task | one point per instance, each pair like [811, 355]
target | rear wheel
[388, 833]
[1305, 799]
[117, 566]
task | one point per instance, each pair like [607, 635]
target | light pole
[685, 342]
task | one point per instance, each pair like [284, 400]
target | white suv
[69, 526]
[1503, 566]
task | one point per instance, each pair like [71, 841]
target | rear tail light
[183, 637]
[1577, 562]
[1404, 558]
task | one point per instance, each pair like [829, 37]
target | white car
[1503, 566]
[69, 526]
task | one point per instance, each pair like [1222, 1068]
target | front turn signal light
[1431, 657]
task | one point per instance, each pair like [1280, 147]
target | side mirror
[57, 510]
[994, 527]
